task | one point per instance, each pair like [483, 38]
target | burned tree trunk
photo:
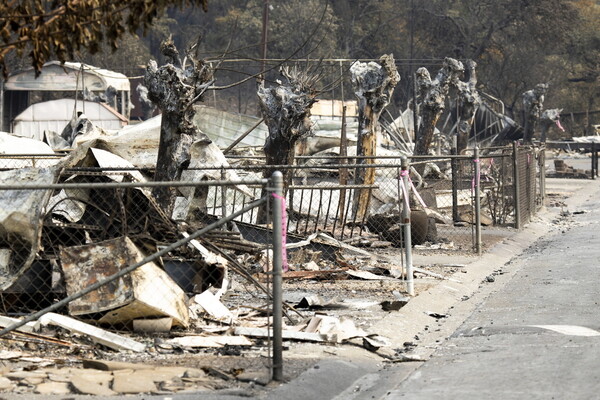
[286, 110]
[174, 88]
[433, 96]
[373, 85]
[467, 103]
[533, 103]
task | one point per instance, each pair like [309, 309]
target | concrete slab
[53, 388]
[133, 382]
[88, 386]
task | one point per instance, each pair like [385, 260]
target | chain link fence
[92, 243]
[96, 246]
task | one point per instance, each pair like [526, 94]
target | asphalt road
[538, 336]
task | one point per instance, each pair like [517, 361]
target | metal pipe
[594, 160]
[125, 271]
[477, 193]
[277, 187]
[543, 175]
[454, 163]
[242, 136]
[410, 284]
[516, 186]
[264, 39]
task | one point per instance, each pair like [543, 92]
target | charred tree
[433, 97]
[373, 84]
[174, 88]
[533, 103]
[286, 110]
[467, 103]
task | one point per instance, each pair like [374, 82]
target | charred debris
[93, 216]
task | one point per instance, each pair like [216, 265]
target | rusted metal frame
[133, 267]
[328, 209]
[319, 209]
[310, 199]
[364, 217]
[335, 219]
[297, 215]
[345, 220]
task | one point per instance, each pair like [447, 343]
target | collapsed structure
[94, 215]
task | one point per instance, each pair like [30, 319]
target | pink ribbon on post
[412, 186]
[404, 194]
[284, 263]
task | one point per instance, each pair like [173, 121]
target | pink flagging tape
[284, 262]
[404, 194]
[412, 186]
[417, 195]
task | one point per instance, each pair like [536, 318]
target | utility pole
[412, 71]
[264, 38]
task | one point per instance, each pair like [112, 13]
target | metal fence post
[277, 188]
[454, 166]
[410, 283]
[516, 186]
[596, 162]
[477, 194]
[542, 164]
[594, 155]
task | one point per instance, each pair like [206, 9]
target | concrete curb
[457, 300]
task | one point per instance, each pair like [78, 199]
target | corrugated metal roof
[67, 77]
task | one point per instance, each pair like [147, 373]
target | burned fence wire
[162, 251]
[95, 246]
